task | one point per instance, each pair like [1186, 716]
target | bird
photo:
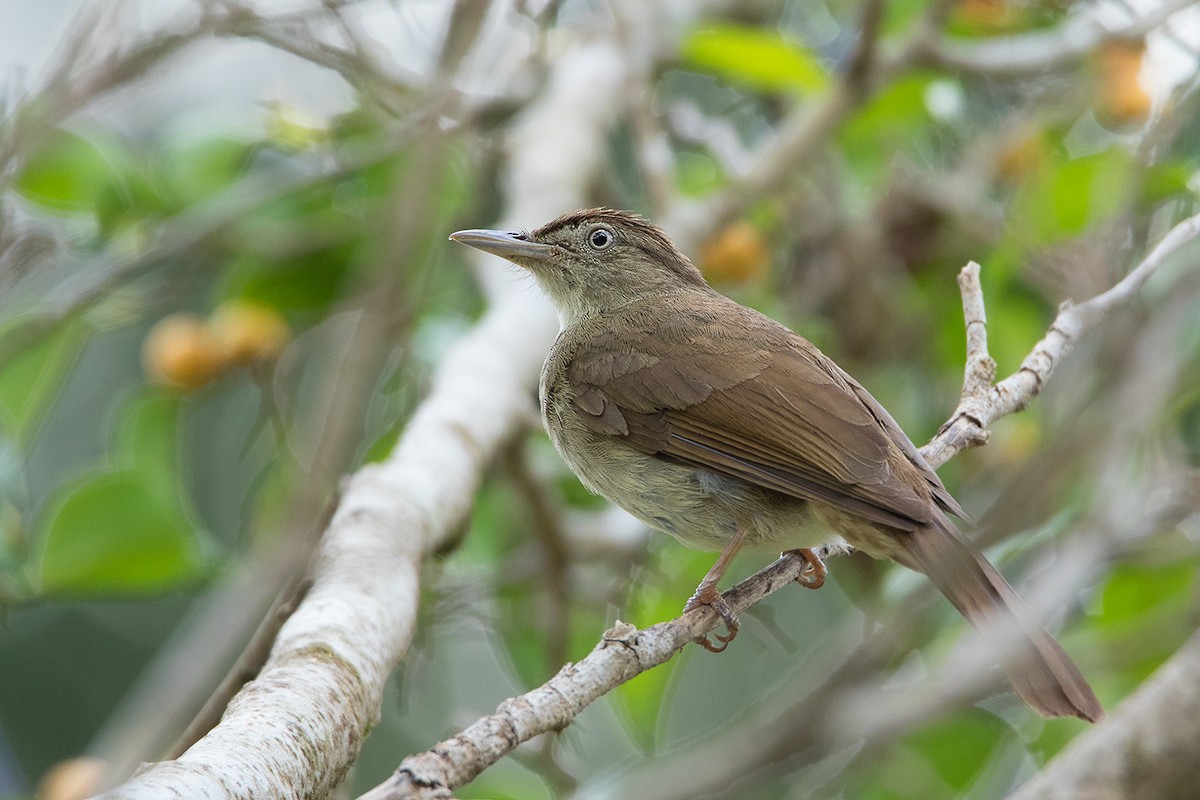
[718, 425]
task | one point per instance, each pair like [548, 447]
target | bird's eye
[601, 239]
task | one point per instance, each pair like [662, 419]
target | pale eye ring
[601, 239]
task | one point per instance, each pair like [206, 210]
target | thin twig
[981, 403]
[624, 651]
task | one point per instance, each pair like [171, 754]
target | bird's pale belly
[700, 508]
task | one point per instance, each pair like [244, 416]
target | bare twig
[625, 652]
[981, 403]
[85, 72]
[622, 653]
[861, 67]
[297, 32]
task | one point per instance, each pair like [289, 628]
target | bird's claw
[709, 596]
[812, 576]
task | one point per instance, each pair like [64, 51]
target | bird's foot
[814, 572]
[707, 595]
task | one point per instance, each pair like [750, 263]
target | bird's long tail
[1042, 674]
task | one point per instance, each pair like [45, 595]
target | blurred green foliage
[756, 57]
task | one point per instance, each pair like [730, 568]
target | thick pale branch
[295, 730]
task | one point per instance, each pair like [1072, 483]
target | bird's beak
[506, 245]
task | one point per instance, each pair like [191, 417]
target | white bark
[295, 730]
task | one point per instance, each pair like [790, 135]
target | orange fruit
[250, 333]
[1122, 98]
[736, 254]
[1021, 156]
[181, 350]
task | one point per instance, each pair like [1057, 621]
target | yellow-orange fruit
[182, 351]
[73, 779]
[250, 333]
[737, 253]
[1021, 156]
[987, 16]
[1122, 98]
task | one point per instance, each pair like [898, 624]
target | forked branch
[624, 651]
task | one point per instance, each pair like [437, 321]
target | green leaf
[306, 284]
[199, 168]
[67, 173]
[959, 748]
[30, 381]
[754, 56]
[128, 202]
[1016, 320]
[697, 173]
[1068, 196]
[1134, 591]
[893, 122]
[641, 701]
[1166, 180]
[148, 438]
[939, 762]
[114, 533]
[1055, 735]
[654, 599]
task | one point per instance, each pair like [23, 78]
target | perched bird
[716, 424]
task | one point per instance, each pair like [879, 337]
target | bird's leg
[814, 572]
[706, 594]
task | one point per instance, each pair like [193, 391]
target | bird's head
[593, 261]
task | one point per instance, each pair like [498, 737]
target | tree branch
[1146, 750]
[982, 403]
[625, 652]
[622, 653]
[295, 730]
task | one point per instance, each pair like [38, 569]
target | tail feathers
[1042, 674]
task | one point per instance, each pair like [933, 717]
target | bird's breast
[701, 508]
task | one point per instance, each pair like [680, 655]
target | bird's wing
[752, 401]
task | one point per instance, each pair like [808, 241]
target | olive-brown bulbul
[720, 426]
